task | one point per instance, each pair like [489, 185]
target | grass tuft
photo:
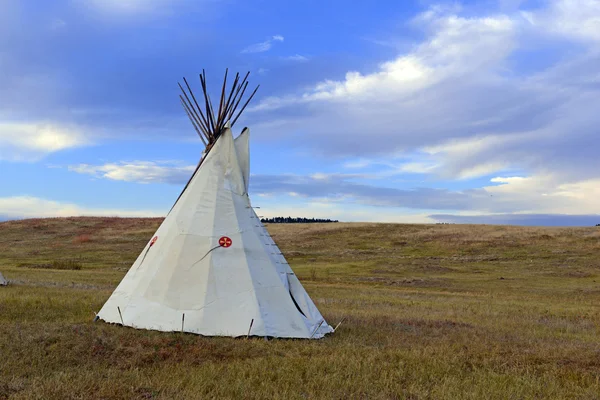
[68, 265]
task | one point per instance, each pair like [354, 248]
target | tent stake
[316, 329]
[249, 329]
[121, 315]
[182, 321]
[338, 325]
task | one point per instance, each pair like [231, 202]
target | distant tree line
[290, 220]
[597, 224]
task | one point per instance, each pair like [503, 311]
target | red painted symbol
[154, 239]
[225, 242]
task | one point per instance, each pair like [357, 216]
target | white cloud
[30, 207]
[31, 141]
[128, 6]
[393, 166]
[457, 47]
[138, 171]
[296, 58]
[545, 194]
[416, 168]
[263, 46]
[578, 19]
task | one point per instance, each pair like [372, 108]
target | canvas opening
[290, 287]
[296, 304]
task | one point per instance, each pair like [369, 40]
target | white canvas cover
[211, 268]
[3, 282]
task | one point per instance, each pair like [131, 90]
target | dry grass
[446, 311]
[56, 264]
[83, 238]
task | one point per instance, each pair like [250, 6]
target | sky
[384, 111]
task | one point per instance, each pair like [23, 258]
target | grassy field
[432, 311]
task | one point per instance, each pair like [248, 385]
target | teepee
[212, 268]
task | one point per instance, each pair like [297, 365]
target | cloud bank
[501, 195]
[18, 207]
[462, 96]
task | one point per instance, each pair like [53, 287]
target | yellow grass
[432, 311]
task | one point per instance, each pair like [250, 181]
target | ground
[430, 311]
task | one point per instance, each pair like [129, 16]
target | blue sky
[413, 111]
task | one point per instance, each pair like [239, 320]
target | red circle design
[225, 241]
[154, 239]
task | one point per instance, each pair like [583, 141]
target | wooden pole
[233, 101]
[121, 315]
[249, 329]
[338, 325]
[222, 101]
[232, 111]
[229, 98]
[207, 103]
[316, 329]
[189, 102]
[216, 131]
[243, 108]
[192, 121]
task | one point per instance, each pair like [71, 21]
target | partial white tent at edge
[3, 282]
[212, 268]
